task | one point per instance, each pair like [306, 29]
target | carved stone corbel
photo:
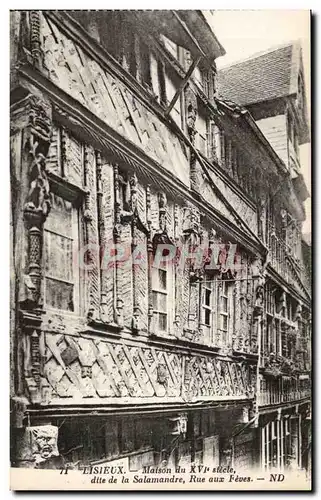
[36, 445]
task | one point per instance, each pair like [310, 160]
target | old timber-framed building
[118, 138]
[275, 97]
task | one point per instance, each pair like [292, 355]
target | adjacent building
[271, 87]
[160, 312]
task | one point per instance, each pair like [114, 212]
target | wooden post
[263, 447]
[182, 85]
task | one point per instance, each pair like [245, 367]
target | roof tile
[260, 78]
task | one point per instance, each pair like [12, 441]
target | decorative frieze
[112, 370]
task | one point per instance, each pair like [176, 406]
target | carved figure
[38, 196]
[162, 374]
[44, 442]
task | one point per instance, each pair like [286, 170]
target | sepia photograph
[160, 250]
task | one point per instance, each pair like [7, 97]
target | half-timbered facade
[276, 100]
[145, 271]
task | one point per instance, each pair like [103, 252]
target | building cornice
[275, 276]
[156, 407]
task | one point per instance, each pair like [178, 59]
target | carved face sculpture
[259, 296]
[191, 117]
[45, 442]
[161, 374]
[162, 200]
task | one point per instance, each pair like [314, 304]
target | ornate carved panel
[85, 80]
[106, 369]
[33, 116]
[208, 194]
[244, 210]
[106, 227]
[91, 233]
[140, 276]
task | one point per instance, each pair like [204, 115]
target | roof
[187, 28]
[262, 77]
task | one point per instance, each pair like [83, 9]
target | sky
[245, 32]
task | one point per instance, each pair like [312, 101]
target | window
[269, 298]
[208, 308]
[162, 83]
[224, 300]
[145, 65]
[160, 297]
[269, 328]
[289, 309]
[274, 451]
[60, 244]
[226, 309]
[207, 305]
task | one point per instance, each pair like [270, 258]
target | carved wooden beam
[182, 85]
[34, 189]
[91, 233]
[149, 259]
[119, 303]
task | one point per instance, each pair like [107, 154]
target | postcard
[160, 250]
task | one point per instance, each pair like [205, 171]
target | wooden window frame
[167, 292]
[223, 294]
[225, 291]
[73, 196]
[210, 309]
